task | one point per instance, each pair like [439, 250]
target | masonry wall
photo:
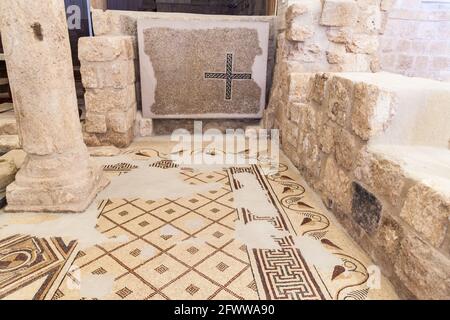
[416, 41]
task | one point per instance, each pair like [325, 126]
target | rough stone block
[95, 123]
[106, 48]
[319, 87]
[340, 97]
[423, 270]
[383, 176]
[339, 13]
[336, 187]
[298, 32]
[116, 74]
[362, 43]
[294, 11]
[121, 122]
[8, 171]
[9, 142]
[428, 212]
[366, 208]
[300, 85]
[346, 148]
[339, 35]
[143, 126]
[8, 126]
[373, 109]
[110, 99]
[327, 133]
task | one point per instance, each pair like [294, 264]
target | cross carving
[228, 76]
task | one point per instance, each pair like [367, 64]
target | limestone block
[106, 48]
[346, 148]
[8, 171]
[110, 99]
[292, 129]
[389, 236]
[9, 142]
[309, 152]
[384, 177]
[8, 126]
[369, 17]
[120, 140]
[95, 123]
[291, 153]
[294, 11]
[17, 156]
[340, 96]
[294, 111]
[300, 86]
[121, 122]
[143, 126]
[336, 53]
[319, 87]
[428, 212]
[101, 22]
[339, 35]
[339, 13]
[373, 109]
[327, 132]
[336, 187]
[298, 32]
[116, 74]
[356, 62]
[423, 270]
[362, 43]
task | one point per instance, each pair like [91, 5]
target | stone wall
[417, 39]
[108, 75]
[321, 36]
[351, 138]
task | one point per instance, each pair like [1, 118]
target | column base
[39, 196]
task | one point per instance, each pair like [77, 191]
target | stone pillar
[57, 175]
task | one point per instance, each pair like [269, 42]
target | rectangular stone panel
[203, 69]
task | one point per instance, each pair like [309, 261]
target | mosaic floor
[187, 233]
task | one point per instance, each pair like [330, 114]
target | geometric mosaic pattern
[186, 248]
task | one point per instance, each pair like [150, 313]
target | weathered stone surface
[336, 187]
[327, 133]
[110, 99]
[300, 86]
[120, 140]
[346, 148]
[198, 86]
[423, 270]
[308, 145]
[388, 237]
[340, 97]
[116, 74]
[366, 208]
[362, 43]
[121, 122]
[16, 156]
[428, 212]
[8, 171]
[95, 123]
[294, 11]
[336, 54]
[8, 143]
[299, 32]
[339, 35]
[319, 86]
[383, 176]
[106, 48]
[57, 174]
[339, 13]
[373, 109]
[106, 151]
[143, 126]
[8, 125]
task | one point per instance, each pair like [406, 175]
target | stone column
[57, 175]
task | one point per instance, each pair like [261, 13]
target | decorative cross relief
[228, 76]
